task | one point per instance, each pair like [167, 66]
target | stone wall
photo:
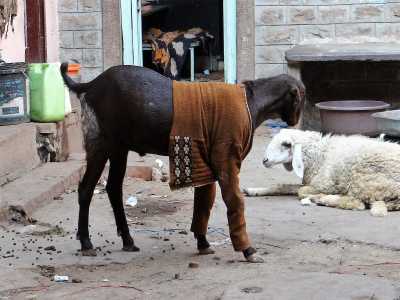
[281, 24]
[80, 23]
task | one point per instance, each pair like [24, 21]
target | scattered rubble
[193, 265]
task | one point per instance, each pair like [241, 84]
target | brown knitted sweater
[208, 117]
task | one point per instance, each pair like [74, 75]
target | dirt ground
[310, 252]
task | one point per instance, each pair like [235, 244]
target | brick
[67, 5]
[266, 2]
[326, 2]
[88, 74]
[291, 2]
[66, 39]
[392, 12]
[317, 32]
[302, 15]
[349, 31]
[71, 55]
[388, 31]
[271, 54]
[92, 58]
[141, 172]
[89, 5]
[269, 15]
[368, 13]
[267, 35]
[87, 39]
[268, 70]
[80, 21]
[333, 14]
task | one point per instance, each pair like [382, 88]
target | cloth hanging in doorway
[8, 11]
[170, 48]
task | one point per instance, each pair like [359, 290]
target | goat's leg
[226, 165]
[95, 165]
[204, 197]
[114, 190]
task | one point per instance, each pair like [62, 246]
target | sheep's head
[284, 150]
[293, 102]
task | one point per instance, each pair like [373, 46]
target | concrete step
[40, 186]
[19, 144]
[18, 151]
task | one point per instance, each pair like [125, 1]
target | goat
[130, 108]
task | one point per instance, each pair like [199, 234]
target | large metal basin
[350, 117]
[388, 122]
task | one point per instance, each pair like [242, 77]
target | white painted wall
[52, 32]
[13, 47]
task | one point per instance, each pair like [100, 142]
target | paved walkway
[310, 252]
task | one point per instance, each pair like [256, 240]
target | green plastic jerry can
[47, 92]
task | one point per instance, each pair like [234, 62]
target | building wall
[13, 47]
[245, 40]
[52, 31]
[80, 23]
[281, 24]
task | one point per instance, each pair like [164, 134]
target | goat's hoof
[254, 259]
[89, 252]
[206, 251]
[130, 248]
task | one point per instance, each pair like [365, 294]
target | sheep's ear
[297, 161]
[288, 166]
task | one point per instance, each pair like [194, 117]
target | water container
[14, 90]
[47, 93]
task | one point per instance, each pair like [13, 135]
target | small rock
[216, 258]
[193, 265]
[252, 290]
[183, 232]
[50, 248]
[177, 276]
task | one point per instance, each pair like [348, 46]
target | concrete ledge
[344, 52]
[18, 151]
[40, 186]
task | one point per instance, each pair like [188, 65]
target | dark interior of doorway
[170, 15]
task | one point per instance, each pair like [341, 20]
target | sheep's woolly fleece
[363, 168]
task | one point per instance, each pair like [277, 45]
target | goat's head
[284, 150]
[293, 101]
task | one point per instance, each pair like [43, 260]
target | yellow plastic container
[47, 93]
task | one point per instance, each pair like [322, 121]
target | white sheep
[350, 172]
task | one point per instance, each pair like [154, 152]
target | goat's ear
[297, 161]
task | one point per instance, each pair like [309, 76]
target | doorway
[36, 32]
[217, 17]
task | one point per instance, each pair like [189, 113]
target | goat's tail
[76, 87]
